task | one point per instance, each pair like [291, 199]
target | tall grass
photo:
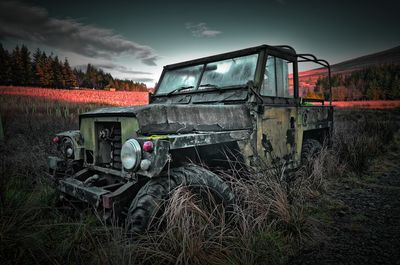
[87, 96]
[360, 136]
[32, 230]
[264, 228]
[270, 221]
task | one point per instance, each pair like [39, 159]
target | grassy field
[125, 98]
[271, 224]
[368, 104]
[115, 98]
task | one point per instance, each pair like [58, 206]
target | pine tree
[37, 65]
[47, 70]
[80, 76]
[16, 67]
[57, 72]
[5, 66]
[42, 71]
[27, 72]
[68, 75]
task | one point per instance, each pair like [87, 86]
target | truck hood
[172, 119]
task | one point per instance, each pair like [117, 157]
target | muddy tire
[148, 203]
[311, 148]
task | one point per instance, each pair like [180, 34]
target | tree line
[377, 82]
[18, 68]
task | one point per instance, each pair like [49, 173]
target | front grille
[116, 151]
[109, 144]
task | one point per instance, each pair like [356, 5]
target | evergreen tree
[68, 76]
[80, 76]
[17, 70]
[57, 71]
[42, 70]
[37, 65]
[5, 66]
[48, 70]
[27, 72]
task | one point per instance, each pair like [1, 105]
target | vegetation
[17, 68]
[121, 98]
[371, 83]
[271, 222]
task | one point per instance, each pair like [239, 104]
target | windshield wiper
[178, 89]
[209, 85]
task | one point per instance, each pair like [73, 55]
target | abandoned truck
[242, 105]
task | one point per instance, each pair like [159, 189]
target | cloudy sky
[134, 39]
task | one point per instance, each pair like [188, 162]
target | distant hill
[308, 79]
[390, 56]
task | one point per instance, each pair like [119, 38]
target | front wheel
[149, 200]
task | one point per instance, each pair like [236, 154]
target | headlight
[131, 154]
[67, 147]
[69, 152]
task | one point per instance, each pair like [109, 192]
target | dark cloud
[137, 75]
[120, 68]
[23, 22]
[201, 30]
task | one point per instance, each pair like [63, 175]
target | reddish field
[116, 98]
[364, 104]
[370, 104]
[122, 98]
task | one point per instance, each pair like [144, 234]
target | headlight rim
[67, 143]
[136, 152]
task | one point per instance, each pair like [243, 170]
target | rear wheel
[148, 203]
[311, 148]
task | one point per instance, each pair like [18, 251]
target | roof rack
[306, 57]
[286, 47]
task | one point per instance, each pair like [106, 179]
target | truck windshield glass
[187, 77]
[231, 72]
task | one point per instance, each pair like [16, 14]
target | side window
[268, 87]
[278, 78]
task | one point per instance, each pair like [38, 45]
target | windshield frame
[208, 60]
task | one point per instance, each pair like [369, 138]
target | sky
[135, 39]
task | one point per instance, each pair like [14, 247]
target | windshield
[231, 72]
[180, 78]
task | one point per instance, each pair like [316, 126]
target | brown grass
[115, 98]
[271, 220]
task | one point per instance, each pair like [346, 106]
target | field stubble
[273, 220]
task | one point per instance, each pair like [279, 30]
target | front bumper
[55, 164]
[80, 187]
[77, 189]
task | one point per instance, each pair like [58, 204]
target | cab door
[276, 122]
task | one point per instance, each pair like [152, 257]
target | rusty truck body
[242, 105]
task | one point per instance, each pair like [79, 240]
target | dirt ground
[361, 217]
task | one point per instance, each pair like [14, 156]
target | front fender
[76, 139]
[158, 157]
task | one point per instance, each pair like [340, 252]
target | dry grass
[270, 221]
[361, 135]
[86, 96]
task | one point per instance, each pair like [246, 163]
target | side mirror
[151, 96]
